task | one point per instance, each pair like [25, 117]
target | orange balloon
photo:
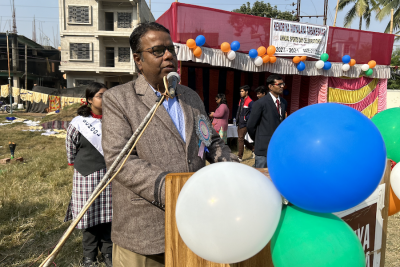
[352, 62]
[261, 51]
[303, 58]
[372, 64]
[296, 59]
[271, 50]
[197, 51]
[272, 59]
[225, 47]
[394, 204]
[265, 58]
[191, 43]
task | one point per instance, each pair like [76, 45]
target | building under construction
[30, 63]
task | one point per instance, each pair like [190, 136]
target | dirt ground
[31, 223]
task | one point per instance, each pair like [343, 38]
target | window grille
[124, 19]
[80, 51]
[78, 14]
[123, 54]
[82, 82]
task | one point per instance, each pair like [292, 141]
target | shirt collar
[154, 90]
[96, 116]
[274, 98]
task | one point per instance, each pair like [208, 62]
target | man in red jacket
[242, 116]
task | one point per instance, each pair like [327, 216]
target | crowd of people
[126, 222]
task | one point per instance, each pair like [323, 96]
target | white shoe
[240, 160]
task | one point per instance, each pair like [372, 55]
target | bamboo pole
[391, 21]
[337, 7]
[9, 76]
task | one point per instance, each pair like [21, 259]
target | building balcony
[98, 69]
[97, 33]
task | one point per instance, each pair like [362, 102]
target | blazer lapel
[283, 109]
[187, 110]
[149, 98]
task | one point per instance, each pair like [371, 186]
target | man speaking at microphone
[169, 144]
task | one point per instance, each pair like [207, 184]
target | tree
[385, 11]
[394, 83]
[262, 9]
[361, 8]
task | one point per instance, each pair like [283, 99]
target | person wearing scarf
[85, 154]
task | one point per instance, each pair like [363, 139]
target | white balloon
[319, 64]
[365, 67]
[258, 61]
[231, 55]
[227, 212]
[345, 67]
[395, 180]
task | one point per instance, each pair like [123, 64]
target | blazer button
[189, 161]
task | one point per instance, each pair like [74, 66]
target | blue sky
[46, 13]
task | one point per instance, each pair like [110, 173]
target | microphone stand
[104, 183]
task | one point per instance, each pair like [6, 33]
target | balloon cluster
[347, 62]
[323, 63]
[230, 49]
[368, 68]
[195, 45]
[319, 182]
[300, 62]
[388, 124]
[263, 55]
[335, 161]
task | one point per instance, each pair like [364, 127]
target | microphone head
[175, 74]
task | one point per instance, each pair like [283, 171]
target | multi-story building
[95, 40]
[30, 63]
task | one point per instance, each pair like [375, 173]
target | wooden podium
[177, 254]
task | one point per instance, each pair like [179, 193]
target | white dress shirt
[280, 103]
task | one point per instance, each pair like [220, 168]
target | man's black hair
[261, 89]
[140, 30]
[271, 79]
[245, 87]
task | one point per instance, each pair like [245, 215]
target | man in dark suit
[267, 113]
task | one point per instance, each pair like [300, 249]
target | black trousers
[97, 238]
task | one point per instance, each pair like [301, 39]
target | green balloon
[369, 72]
[388, 124]
[308, 239]
[324, 57]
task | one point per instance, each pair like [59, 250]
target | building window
[79, 51]
[78, 14]
[82, 82]
[123, 54]
[124, 19]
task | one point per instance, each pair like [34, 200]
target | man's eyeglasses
[280, 84]
[159, 50]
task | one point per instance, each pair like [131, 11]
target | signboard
[367, 222]
[298, 39]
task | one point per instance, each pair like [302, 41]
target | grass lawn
[34, 197]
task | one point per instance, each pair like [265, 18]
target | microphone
[173, 80]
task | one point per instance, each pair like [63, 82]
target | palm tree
[385, 11]
[361, 9]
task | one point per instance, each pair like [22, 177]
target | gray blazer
[138, 191]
